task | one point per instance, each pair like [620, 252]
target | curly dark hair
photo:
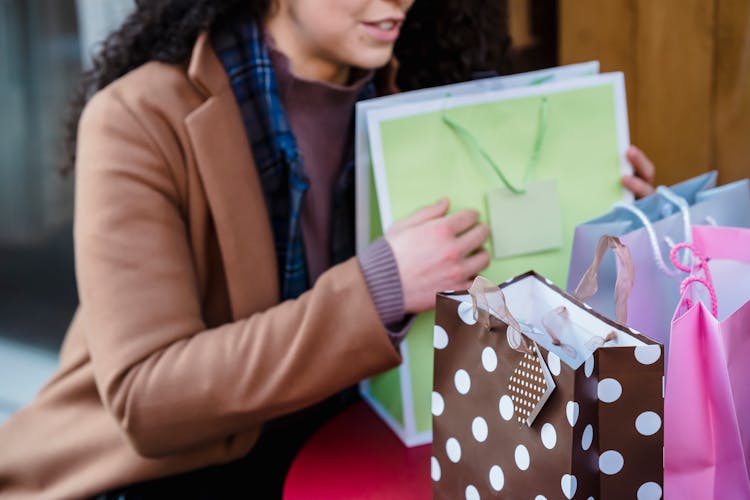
[450, 41]
[442, 41]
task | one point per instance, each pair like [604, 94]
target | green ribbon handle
[472, 142]
[543, 79]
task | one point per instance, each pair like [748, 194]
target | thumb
[425, 214]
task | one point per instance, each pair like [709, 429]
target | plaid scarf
[245, 58]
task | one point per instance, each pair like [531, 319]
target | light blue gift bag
[650, 227]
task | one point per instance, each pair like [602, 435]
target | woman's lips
[386, 30]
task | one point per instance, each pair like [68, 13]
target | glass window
[44, 44]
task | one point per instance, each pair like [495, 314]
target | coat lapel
[232, 187]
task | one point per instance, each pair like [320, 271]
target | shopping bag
[649, 228]
[574, 135]
[707, 408]
[598, 433]
[368, 217]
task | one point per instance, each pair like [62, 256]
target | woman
[213, 253]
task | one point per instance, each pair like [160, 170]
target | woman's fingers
[643, 167]
[641, 182]
[637, 186]
[476, 263]
[439, 253]
[473, 238]
[461, 221]
[424, 214]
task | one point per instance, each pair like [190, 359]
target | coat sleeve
[170, 382]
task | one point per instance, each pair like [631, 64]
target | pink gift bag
[707, 398]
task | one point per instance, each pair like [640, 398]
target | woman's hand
[641, 182]
[436, 252]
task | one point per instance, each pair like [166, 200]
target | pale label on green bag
[525, 223]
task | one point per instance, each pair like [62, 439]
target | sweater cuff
[381, 274]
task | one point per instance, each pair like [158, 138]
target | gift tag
[525, 223]
[531, 386]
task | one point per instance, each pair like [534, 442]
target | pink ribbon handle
[704, 278]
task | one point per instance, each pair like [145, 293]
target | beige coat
[180, 349]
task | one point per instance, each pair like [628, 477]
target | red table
[356, 456]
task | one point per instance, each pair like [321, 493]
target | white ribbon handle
[684, 207]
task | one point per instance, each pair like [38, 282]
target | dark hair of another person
[442, 42]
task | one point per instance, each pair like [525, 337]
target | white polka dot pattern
[569, 485]
[439, 338]
[630, 441]
[549, 436]
[611, 462]
[435, 469]
[571, 411]
[479, 429]
[609, 390]
[647, 354]
[466, 313]
[462, 381]
[438, 404]
[587, 438]
[453, 450]
[588, 366]
[489, 359]
[506, 407]
[649, 491]
[648, 423]
[497, 478]
[527, 386]
[553, 362]
[474, 371]
[522, 457]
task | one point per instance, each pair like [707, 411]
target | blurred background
[44, 45]
[686, 64]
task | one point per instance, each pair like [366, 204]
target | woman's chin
[373, 58]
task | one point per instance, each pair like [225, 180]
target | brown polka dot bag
[537, 396]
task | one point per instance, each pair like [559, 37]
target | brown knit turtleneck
[321, 117]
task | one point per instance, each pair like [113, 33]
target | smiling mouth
[386, 30]
[386, 25]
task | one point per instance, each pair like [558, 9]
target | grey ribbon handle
[486, 299]
[561, 313]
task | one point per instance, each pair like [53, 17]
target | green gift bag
[365, 187]
[533, 161]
